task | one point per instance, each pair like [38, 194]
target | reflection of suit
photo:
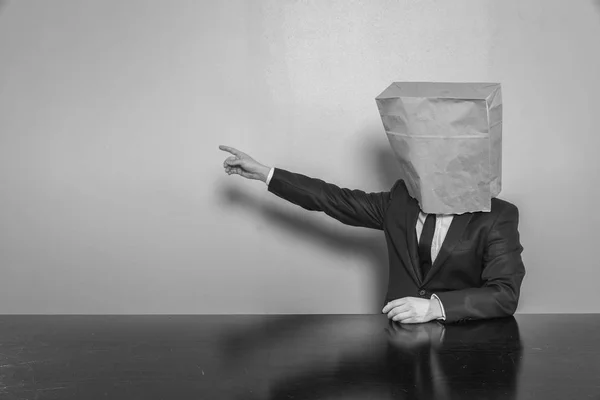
[478, 272]
[482, 356]
[476, 359]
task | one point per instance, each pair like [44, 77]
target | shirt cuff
[270, 176]
[443, 318]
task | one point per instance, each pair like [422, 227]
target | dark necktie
[425, 244]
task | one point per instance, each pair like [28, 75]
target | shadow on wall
[311, 234]
[386, 166]
[3, 4]
[596, 3]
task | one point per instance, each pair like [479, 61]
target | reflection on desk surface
[297, 357]
[354, 359]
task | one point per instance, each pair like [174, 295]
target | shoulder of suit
[500, 205]
[505, 208]
[399, 189]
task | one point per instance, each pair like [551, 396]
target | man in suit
[441, 267]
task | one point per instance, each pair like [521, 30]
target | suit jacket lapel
[412, 214]
[455, 232]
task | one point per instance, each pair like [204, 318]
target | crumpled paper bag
[447, 138]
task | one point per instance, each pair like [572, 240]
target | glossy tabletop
[297, 357]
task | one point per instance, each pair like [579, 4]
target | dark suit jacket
[478, 271]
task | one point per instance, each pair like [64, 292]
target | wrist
[435, 309]
[264, 173]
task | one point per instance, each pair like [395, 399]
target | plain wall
[112, 194]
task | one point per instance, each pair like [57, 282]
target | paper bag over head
[447, 138]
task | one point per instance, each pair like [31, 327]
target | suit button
[422, 292]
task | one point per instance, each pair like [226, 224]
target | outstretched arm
[351, 207]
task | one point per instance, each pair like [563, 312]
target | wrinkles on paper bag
[467, 199]
[447, 138]
[444, 117]
[445, 175]
[459, 177]
[407, 170]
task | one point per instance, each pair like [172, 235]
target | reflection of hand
[412, 310]
[411, 336]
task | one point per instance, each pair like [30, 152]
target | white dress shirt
[442, 224]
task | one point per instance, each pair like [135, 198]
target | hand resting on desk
[413, 310]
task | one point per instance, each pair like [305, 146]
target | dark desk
[297, 357]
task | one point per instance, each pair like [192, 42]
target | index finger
[393, 304]
[231, 150]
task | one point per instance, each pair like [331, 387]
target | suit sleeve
[351, 207]
[502, 274]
